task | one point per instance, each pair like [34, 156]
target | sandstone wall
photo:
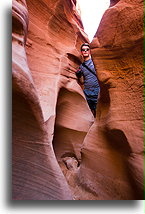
[59, 152]
[46, 39]
[113, 149]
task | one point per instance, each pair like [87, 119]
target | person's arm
[79, 73]
[80, 76]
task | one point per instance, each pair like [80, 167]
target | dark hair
[85, 44]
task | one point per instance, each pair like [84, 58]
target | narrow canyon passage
[60, 152]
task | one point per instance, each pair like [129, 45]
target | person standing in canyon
[88, 72]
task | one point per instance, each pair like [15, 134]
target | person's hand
[78, 70]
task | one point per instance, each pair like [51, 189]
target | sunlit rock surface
[113, 148]
[59, 152]
[46, 97]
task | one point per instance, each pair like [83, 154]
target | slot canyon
[59, 150]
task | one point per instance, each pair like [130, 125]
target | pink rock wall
[44, 60]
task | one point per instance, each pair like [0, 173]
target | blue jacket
[90, 80]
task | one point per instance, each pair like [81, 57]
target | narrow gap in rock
[91, 13]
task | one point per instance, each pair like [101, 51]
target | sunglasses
[86, 49]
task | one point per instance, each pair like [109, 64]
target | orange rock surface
[113, 148]
[59, 151]
[46, 39]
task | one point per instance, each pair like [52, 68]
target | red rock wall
[112, 164]
[46, 39]
[57, 153]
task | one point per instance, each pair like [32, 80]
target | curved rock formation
[116, 138]
[44, 60]
[59, 152]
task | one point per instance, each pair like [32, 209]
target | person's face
[85, 51]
